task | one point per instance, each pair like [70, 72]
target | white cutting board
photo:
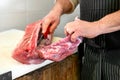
[8, 41]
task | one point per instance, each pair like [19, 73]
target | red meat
[25, 52]
[59, 50]
[28, 52]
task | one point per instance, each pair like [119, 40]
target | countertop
[8, 41]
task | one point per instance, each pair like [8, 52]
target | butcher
[99, 25]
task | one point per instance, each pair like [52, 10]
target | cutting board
[8, 41]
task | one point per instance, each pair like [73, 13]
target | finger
[45, 25]
[74, 36]
[69, 28]
[53, 27]
[49, 39]
[65, 31]
[76, 18]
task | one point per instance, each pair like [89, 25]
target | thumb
[74, 36]
[53, 27]
[45, 25]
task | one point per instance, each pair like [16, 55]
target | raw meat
[28, 52]
[59, 50]
[25, 52]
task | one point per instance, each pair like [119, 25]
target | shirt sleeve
[74, 4]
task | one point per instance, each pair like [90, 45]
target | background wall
[16, 14]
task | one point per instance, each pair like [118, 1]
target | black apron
[101, 59]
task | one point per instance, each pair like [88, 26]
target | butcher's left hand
[80, 28]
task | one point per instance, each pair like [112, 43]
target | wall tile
[12, 14]
[12, 20]
[8, 6]
[37, 9]
[39, 5]
[18, 13]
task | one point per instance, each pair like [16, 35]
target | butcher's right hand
[51, 20]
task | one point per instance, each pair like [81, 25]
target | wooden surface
[67, 69]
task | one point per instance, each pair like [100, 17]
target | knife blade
[42, 36]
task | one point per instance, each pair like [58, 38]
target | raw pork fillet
[59, 50]
[28, 52]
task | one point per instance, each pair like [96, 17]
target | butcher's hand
[51, 20]
[80, 28]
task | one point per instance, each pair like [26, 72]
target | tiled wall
[18, 13]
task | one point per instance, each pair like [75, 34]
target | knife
[42, 36]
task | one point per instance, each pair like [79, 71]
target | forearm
[110, 23]
[63, 6]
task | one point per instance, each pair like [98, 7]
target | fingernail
[76, 18]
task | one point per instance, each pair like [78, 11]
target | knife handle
[47, 32]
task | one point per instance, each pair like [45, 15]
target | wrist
[99, 27]
[65, 5]
[57, 9]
